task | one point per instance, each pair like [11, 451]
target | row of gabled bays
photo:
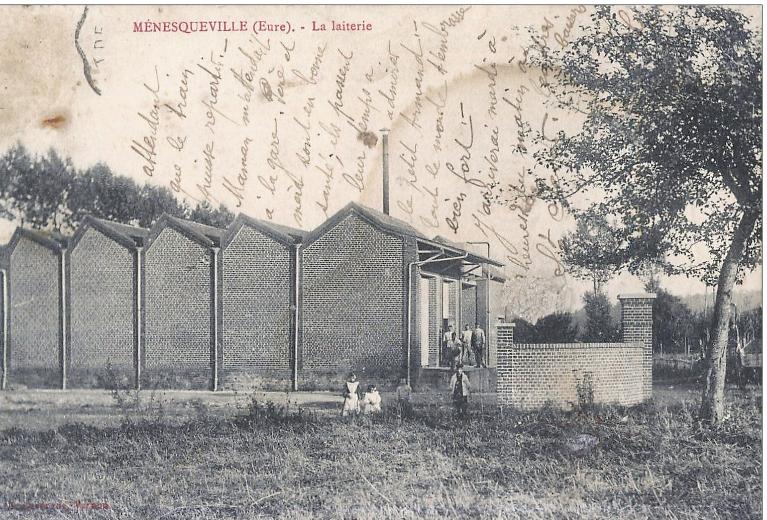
[186, 305]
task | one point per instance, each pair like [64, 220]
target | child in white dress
[371, 401]
[351, 399]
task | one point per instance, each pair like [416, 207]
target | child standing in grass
[404, 394]
[351, 397]
[459, 390]
[371, 401]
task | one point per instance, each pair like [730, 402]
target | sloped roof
[208, 236]
[442, 240]
[394, 226]
[127, 236]
[213, 233]
[137, 234]
[460, 246]
[283, 234]
[378, 219]
[297, 234]
[397, 226]
[50, 239]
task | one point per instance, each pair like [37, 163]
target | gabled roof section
[282, 234]
[396, 227]
[50, 239]
[123, 234]
[135, 233]
[207, 236]
[375, 218]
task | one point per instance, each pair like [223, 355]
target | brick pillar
[505, 344]
[636, 327]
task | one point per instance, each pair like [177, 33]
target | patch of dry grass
[651, 461]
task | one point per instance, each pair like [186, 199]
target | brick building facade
[181, 321]
[104, 269]
[258, 262]
[376, 296]
[191, 306]
[36, 350]
[352, 299]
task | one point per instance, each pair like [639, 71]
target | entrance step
[430, 379]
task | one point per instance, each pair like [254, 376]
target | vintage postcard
[384, 261]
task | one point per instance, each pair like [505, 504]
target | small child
[371, 401]
[404, 394]
[351, 399]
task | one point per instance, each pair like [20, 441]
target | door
[423, 316]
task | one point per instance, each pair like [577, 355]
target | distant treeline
[676, 328]
[49, 192]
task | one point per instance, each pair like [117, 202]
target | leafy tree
[672, 322]
[749, 326]
[35, 189]
[204, 213]
[669, 149]
[556, 328]
[599, 327]
[15, 160]
[590, 251]
[154, 201]
[524, 331]
[48, 192]
[98, 192]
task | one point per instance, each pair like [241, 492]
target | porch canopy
[443, 257]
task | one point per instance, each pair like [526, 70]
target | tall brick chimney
[636, 327]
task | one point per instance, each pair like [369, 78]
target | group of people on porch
[470, 346]
[461, 349]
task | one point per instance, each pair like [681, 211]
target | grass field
[196, 456]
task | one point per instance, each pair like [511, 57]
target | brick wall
[102, 309]
[531, 376]
[353, 301]
[257, 280]
[34, 328]
[178, 313]
[435, 320]
[468, 306]
[636, 326]
[452, 305]
[505, 336]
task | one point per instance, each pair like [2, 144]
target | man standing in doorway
[466, 342]
[447, 345]
[478, 345]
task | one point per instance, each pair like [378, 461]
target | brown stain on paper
[56, 122]
[369, 139]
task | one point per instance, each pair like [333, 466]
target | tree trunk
[712, 406]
